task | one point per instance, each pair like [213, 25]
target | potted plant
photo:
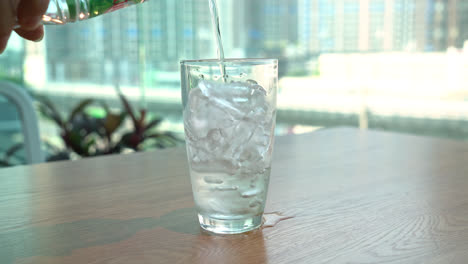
[84, 135]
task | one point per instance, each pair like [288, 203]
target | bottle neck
[66, 11]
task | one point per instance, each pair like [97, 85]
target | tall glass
[229, 123]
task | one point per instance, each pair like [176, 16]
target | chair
[24, 104]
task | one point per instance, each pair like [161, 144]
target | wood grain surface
[346, 196]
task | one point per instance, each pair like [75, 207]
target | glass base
[229, 226]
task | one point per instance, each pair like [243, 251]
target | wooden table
[354, 197]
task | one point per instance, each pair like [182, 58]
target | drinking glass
[229, 111]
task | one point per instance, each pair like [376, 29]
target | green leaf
[79, 108]
[75, 140]
[4, 164]
[164, 140]
[52, 111]
[61, 155]
[90, 142]
[160, 145]
[105, 106]
[44, 111]
[165, 135]
[49, 145]
[128, 107]
[153, 123]
[12, 150]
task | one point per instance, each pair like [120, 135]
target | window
[371, 64]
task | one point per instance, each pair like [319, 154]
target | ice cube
[203, 114]
[251, 82]
[255, 203]
[214, 136]
[225, 94]
[205, 88]
[227, 126]
[250, 193]
[212, 180]
[215, 165]
[226, 188]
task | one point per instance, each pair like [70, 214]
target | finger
[7, 20]
[30, 13]
[35, 35]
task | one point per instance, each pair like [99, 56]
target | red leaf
[127, 107]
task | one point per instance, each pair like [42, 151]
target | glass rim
[261, 61]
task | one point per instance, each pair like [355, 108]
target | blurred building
[381, 25]
[355, 25]
[115, 47]
[271, 25]
[143, 44]
[440, 24]
[462, 20]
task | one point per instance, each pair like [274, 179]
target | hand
[26, 13]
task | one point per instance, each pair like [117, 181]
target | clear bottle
[67, 11]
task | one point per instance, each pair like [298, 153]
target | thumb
[30, 13]
[7, 20]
